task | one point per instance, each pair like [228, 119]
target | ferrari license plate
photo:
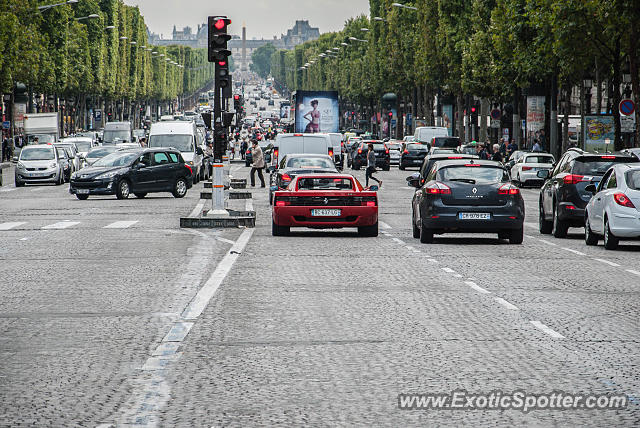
[326, 213]
[474, 216]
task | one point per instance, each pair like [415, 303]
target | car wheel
[368, 231]
[279, 230]
[544, 226]
[180, 188]
[426, 235]
[123, 190]
[140, 195]
[610, 241]
[590, 238]
[560, 227]
[414, 226]
[516, 236]
[82, 197]
[19, 183]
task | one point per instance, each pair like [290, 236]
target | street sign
[496, 114]
[98, 114]
[495, 123]
[627, 107]
[6, 125]
[628, 123]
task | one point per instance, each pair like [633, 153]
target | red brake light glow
[454, 157]
[286, 177]
[371, 203]
[573, 179]
[607, 157]
[508, 189]
[622, 199]
[438, 188]
[331, 152]
[281, 203]
[359, 151]
[472, 164]
[406, 152]
[526, 168]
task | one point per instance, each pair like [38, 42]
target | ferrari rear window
[322, 183]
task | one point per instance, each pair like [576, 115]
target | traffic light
[475, 109]
[237, 102]
[218, 51]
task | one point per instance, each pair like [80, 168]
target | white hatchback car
[525, 170]
[614, 210]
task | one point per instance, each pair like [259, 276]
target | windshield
[42, 139]
[37, 153]
[633, 179]
[117, 159]
[538, 159]
[98, 153]
[310, 163]
[473, 175]
[325, 184]
[447, 142]
[110, 136]
[597, 165]
[183, 143]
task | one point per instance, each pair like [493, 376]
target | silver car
[39, 163]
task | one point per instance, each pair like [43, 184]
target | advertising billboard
[535, 118]
[599, 133]
[317, 111]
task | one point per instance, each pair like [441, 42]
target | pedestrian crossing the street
[65, 224]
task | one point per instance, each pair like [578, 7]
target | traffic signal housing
[218, 38]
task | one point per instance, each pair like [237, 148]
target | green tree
[261, 60]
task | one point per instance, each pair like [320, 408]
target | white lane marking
[448, 270]
[383, 225]
[37, 189]
[607, 262]
[547, 330]
[121, 224]
[410, 248]
[61, 225]
[477, 287]
[248, 205]
[24, 239]
[201, 300]
[178, 332]
[11, 225]
[546, 242]
[384, 232]
[635, 272]
[432, 260]
[8, 189]
[531, 225]
[506, 304]
[574, 251]
[399, 241]
[228, 241]
[198, 209]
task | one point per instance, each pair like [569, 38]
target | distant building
[240, 47]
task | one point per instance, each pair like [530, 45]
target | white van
[424, 134]
[183, 136]
[338, 156]
[301, 143]
[117, 132]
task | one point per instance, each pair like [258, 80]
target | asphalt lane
[317, 328]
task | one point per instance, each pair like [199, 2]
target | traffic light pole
[217, 184]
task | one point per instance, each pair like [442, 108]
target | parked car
[134, 171]
[295, 164]
[564, 197]
[613, 213]
[39, 163]
[525, 170]
[467, 196]
[325, 201]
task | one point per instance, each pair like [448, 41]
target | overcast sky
[264, 18]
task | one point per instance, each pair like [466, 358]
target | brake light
[607, 157]
[189, 168]
[454, 157]
[508, 189]
[331, 152]
[297, 135]
[406, 152]
[573, 179]
[622, 199]
[281, 203]
[527, 168]
[359, 151]
[472, 164]
[286, 177]
[438, 188]
[371, 203]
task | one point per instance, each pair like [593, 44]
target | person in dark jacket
[497, 155]
[371, 166]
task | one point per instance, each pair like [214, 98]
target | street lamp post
[403, 6]
[50, 6]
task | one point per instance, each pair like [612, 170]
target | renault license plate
[326, 213]
[474, 216]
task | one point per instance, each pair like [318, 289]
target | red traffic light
[473, 109]
[390, 114]
[236, 97]
[222, 63]
[219, 24]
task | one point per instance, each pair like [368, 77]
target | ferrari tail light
[573, 179]
[438, 188]
[368, 201]
[281, 203]
[527, 168]
[622, 199]
[508, 189]
[371, 203]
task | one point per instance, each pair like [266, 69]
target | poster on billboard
[284, 110]
[317, 111]
[597, 131]
[535, 118]
[447, 117]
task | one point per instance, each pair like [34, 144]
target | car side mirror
[140, 165]
[544, 174]
[591, 188]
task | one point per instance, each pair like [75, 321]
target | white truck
[41, 126]
[301, 144]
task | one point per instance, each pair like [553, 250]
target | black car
[134, 171]
[563, 197]
[383, 157]
[445, 142]
[292, 165]
[467, 195]
[413, 155]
